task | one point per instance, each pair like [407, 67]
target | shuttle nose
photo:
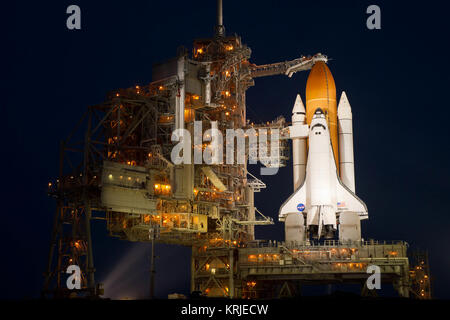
[318, 119]
[318, 111]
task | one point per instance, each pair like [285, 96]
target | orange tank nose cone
[321, 93]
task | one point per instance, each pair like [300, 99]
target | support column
[193, 270]
[181, 94]
[231, 292]
[251, 212]
[90, 255]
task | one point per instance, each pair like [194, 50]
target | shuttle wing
[295, 203]
[348, 201]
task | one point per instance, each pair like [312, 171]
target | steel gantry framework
[116, 164]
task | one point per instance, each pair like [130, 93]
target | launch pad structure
[116, 166]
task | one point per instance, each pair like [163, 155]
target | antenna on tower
[220, 29]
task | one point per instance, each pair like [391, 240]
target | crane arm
[287, 67]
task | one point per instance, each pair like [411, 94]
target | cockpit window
[318, 125]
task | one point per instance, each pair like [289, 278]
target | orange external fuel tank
[321, 93]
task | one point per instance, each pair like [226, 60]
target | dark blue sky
[396, 79]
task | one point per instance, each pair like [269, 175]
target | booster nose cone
[298, 105]
[344, 109]
[298, 111]
[321, 93]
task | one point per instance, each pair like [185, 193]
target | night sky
[396, 79]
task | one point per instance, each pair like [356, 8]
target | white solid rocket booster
[298, 144]
[346, 162]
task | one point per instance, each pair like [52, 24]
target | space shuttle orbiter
[324, 198]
